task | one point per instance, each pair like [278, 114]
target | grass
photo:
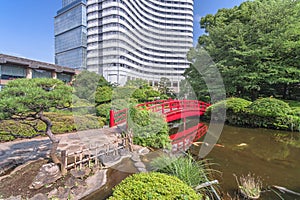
[186, 169]
[249, 186]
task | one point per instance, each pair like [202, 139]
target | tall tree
[255, 46]
[164, 87]
[28, 99]
[86, 83]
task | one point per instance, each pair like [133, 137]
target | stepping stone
[39, 197]
[143, 151]
[141, 169]
[135, 158]
[139, 165]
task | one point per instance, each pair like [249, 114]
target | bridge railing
[178, 105]
[161, 106]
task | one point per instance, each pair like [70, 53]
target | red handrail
[166, 107]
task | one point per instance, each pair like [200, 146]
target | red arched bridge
[172, 110]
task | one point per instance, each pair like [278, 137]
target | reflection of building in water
[12, 67]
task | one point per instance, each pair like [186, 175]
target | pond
[271, 155]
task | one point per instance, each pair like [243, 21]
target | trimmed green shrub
[236, 108]
[269, 107]
[149, 128]
[296, 111]
[102, 110]
[231, 104]
[103, 94]
[288, 122]
[153, 185]
[62, 123]
[265, 112]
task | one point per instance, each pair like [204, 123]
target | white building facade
[147, 39]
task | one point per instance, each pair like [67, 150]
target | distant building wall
[70, 34]
[12, 67]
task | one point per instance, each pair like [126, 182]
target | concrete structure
[12, 67]
[146, 39]
[70, 34]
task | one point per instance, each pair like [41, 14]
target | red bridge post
[111, 118]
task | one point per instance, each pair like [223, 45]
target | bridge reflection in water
[173, 110]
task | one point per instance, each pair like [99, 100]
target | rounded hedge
[153, 185]
[231, 104]
[269, 107]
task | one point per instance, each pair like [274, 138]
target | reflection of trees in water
[280, 153]
[292, 139]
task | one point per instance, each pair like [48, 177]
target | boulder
[48, 173]
[39, 197]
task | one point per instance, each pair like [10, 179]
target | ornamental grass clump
[192, 172]
[249, 186]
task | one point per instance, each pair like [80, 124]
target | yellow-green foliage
[269, 107]
[263, 112]
[62, 123]
[153, 185]
[231, 104]
[149, 128]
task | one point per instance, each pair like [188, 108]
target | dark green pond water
[272, 155]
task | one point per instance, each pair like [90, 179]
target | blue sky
[27, 25]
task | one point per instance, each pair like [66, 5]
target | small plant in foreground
[249, 186]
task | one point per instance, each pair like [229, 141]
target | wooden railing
[92, 154]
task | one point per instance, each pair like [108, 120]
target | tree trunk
[285, 87]
[53, 139]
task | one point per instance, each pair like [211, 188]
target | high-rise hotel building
[147, 39]
[70, 34]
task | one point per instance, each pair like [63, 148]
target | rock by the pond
[39, 197]
[48, 173]
[63, 193]
[77, 191]
[93, 183]
[14, 198]
[71, 182]
[53, 193]
[80, 173]
[142, 169]
[111, 160]
[135, 158]
[139, 165]
[143, 151]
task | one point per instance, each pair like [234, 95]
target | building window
[64, 77]
[9, 72]
[40, 73]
